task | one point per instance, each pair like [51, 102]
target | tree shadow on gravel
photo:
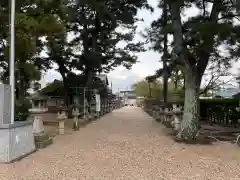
[200, 140]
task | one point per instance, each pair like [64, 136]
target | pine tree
[196, 44]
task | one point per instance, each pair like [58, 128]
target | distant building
[52, 96]
[227, 92]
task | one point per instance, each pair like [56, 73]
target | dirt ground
[125, 145]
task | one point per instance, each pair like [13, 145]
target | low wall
[16, 141]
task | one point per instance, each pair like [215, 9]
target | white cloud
[49, 76]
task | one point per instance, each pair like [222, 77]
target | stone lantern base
[42, 140]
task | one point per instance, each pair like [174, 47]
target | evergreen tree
[32, 22]
[95, 24]
[196, 44]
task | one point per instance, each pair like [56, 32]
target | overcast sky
[123, 79]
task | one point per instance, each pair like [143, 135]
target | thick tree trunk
[190, 124]
[165, 87]
[165, 54]
[89, 84]
[149, 90]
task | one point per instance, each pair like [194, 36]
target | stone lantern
[177, 116]
[167, 115]
[39, 107]
[41, 138]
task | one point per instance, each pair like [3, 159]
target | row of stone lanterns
[80, 118]
[170, 115]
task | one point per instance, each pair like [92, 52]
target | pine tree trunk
[165, 87]
[190, 123]
[165, 54]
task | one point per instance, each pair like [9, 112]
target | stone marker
[16, 140]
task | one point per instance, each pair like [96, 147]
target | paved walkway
[125, 145]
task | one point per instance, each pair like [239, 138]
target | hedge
[217, 111]
[220, 111]
[22, 109]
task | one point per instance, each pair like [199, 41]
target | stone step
[43, 144]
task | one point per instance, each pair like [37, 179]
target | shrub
[220, 111]
[21, 109]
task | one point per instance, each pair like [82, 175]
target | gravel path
[125, 145]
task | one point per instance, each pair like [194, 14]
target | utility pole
[12, 60]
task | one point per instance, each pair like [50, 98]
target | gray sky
[121, 78]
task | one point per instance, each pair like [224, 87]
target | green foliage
[21, 109]
[56, 88]
[95, 25]
[33, 20]
[202, 35]
[44, 26]
[145, 89]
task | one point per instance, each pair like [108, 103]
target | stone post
[168, 116]
[61, 116]
[75, 112]
[177, 116]
[162, 114]
[154, 112]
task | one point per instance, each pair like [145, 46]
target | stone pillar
[75, 112]
[154, 112]
[161, 114]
